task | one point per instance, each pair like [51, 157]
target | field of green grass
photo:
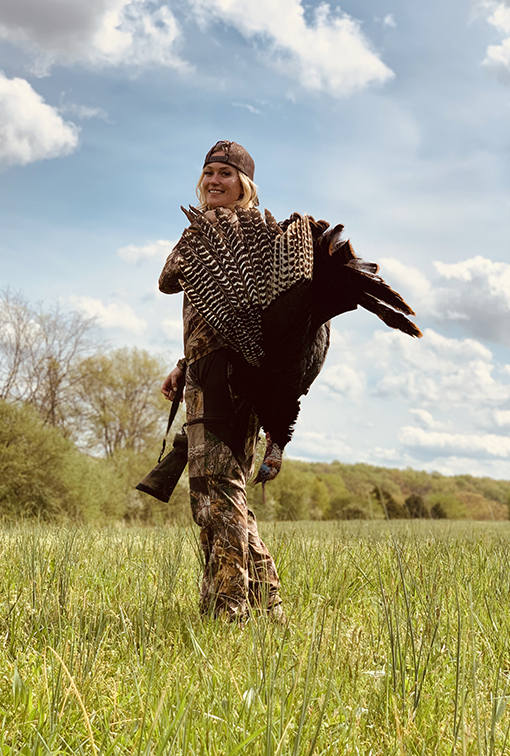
[397, 641]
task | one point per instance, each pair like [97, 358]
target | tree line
[81, 424]
[54, 362]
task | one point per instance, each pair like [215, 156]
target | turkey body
[270, 290]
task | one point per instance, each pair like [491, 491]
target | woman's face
[221, 185]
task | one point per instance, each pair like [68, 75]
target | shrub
[129, 467]
[352, 512]
[392, 509]
[44, 477]
[448, 504]
[416, 506]
[437, 512]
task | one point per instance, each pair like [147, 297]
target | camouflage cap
[234, 154]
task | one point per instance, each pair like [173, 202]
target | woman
[222, 426]
[258, 299]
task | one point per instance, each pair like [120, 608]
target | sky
[388, 116]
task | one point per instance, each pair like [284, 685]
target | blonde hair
[248, 199]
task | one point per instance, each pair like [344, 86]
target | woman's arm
[169, 282]
[169, 279]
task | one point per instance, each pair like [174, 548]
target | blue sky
[391, 117]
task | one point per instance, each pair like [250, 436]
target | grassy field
[397, 641]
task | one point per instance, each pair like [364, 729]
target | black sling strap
[173, 411]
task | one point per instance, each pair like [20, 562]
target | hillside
[321, 491]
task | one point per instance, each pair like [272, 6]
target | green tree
[292, 490]
[416, 506]
[339, 496]
[437, 511]
[129, 467]
[392, 509]
[445, 505]
[120, 404]
[319, 500]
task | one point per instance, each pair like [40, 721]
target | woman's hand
[172, 383]
[211, 216]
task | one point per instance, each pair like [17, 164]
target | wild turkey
[270, 290]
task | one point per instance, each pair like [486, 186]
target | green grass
[397, 641]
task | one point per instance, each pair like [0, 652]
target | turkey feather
[270, 290]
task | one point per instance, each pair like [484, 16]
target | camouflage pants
[238, 567]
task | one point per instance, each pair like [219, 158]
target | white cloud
[427, 443]
[437, 371]
[500, 17]
[343, 340]
[249, 108]
[82, 111]
[389, 21]
[479, 294]
[30, 129]
[497, 274]
[172, 328]
[410, 282]
[502, 418]
[475, 293]
[114, 315]
[426, 419]
[498, 56]
[344, 380]
[132, 253]
[329, 54]
[386, 455]
[321, 445]
[96, 32]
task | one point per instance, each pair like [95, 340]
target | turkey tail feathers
[235, 266]
[272, 225]
[387, 315]
[363, 266]
[218, 287]
[258, 247]
[342, 281]
[293, 256]
[379, 289]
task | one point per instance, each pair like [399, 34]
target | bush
[44, 477]
[392, 509]
[446, 505]
[352, 513]
[437, 512]
[416, 506]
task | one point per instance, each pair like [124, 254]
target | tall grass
[396, 642]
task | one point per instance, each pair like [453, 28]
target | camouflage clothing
[200, 338]
[221, 448]
[238, 567]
